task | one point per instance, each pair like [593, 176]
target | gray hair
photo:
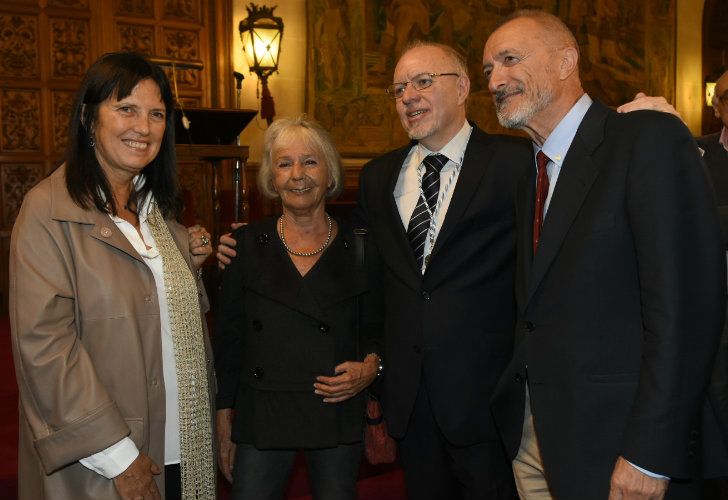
[280, 133]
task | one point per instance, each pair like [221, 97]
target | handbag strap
[360, 234]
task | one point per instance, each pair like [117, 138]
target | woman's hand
[225, 445]
[226, 248]
[200, 247]
[137, 481]
[352, 378]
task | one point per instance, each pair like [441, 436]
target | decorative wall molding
[18, 46]
[69, 47]
[17, 179]
[20, 119]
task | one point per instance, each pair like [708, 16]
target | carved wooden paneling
[20, 118]
[17, 179]
[69, 48]
[69, 4]
[183, 44]
[186, 10]
[136, 37]
[45, 48]
[134, 8]
[194, 179]
[62, 108]
[18, 46]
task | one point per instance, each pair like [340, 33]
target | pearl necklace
[304, 254]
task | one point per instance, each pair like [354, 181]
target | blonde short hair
[280, 133]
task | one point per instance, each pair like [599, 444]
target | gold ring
[205, 240]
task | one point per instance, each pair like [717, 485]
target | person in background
[620, 284]
[298, 330]
[107, 307]
[715, 423]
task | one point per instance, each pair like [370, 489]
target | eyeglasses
[419, 82]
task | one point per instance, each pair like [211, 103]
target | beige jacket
[86, 341]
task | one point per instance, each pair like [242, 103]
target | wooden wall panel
[45, 48]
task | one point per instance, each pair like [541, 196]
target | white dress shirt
[407, 190]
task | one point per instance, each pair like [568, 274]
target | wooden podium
[211, 138]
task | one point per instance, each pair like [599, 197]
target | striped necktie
[419, 223]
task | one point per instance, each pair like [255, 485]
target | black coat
[276, 331]
[454, 324]
[715, 423]
[621, 308]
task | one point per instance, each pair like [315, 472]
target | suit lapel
[476, 161]
[400, 251]
[525, 204]
[575, 180]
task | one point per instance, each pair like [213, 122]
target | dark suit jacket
[715, 423]
[454, 325]
[276, 331]
[620, 311]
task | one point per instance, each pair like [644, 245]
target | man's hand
[225, 445]
[199, 241]
[642, 101]
[352, 378]
[630, 484]
[226, 248]
[137, 481]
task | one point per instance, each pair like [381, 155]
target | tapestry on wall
[625, 46]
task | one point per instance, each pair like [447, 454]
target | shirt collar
[723, 139]
[454, 150]
[559, 141]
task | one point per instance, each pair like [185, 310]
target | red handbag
[379, 447]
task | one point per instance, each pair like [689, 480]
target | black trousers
[434, 469]
[172, 482]
[264, 474]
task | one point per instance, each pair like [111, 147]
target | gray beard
[519, 118]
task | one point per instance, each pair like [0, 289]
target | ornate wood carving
[69, 47]
[137, 38]
[17, 179]
[134, 8]
[18, 46]
[187, 10]
[183, 44]
[20, 118]
[62, 108]
[195, 186]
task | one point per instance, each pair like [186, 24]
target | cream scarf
[197, 458]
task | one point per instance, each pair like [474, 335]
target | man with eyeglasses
[449, 255]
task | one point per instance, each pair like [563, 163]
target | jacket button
[147, 298]
[258, 372]
[262, 239]
[323, 328]
[530, 327]
[257, 325]
[426, 295]
[517, 377]
[155, 383]
[417, 349]
[346, 244]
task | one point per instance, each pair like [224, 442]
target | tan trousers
[528, 466]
